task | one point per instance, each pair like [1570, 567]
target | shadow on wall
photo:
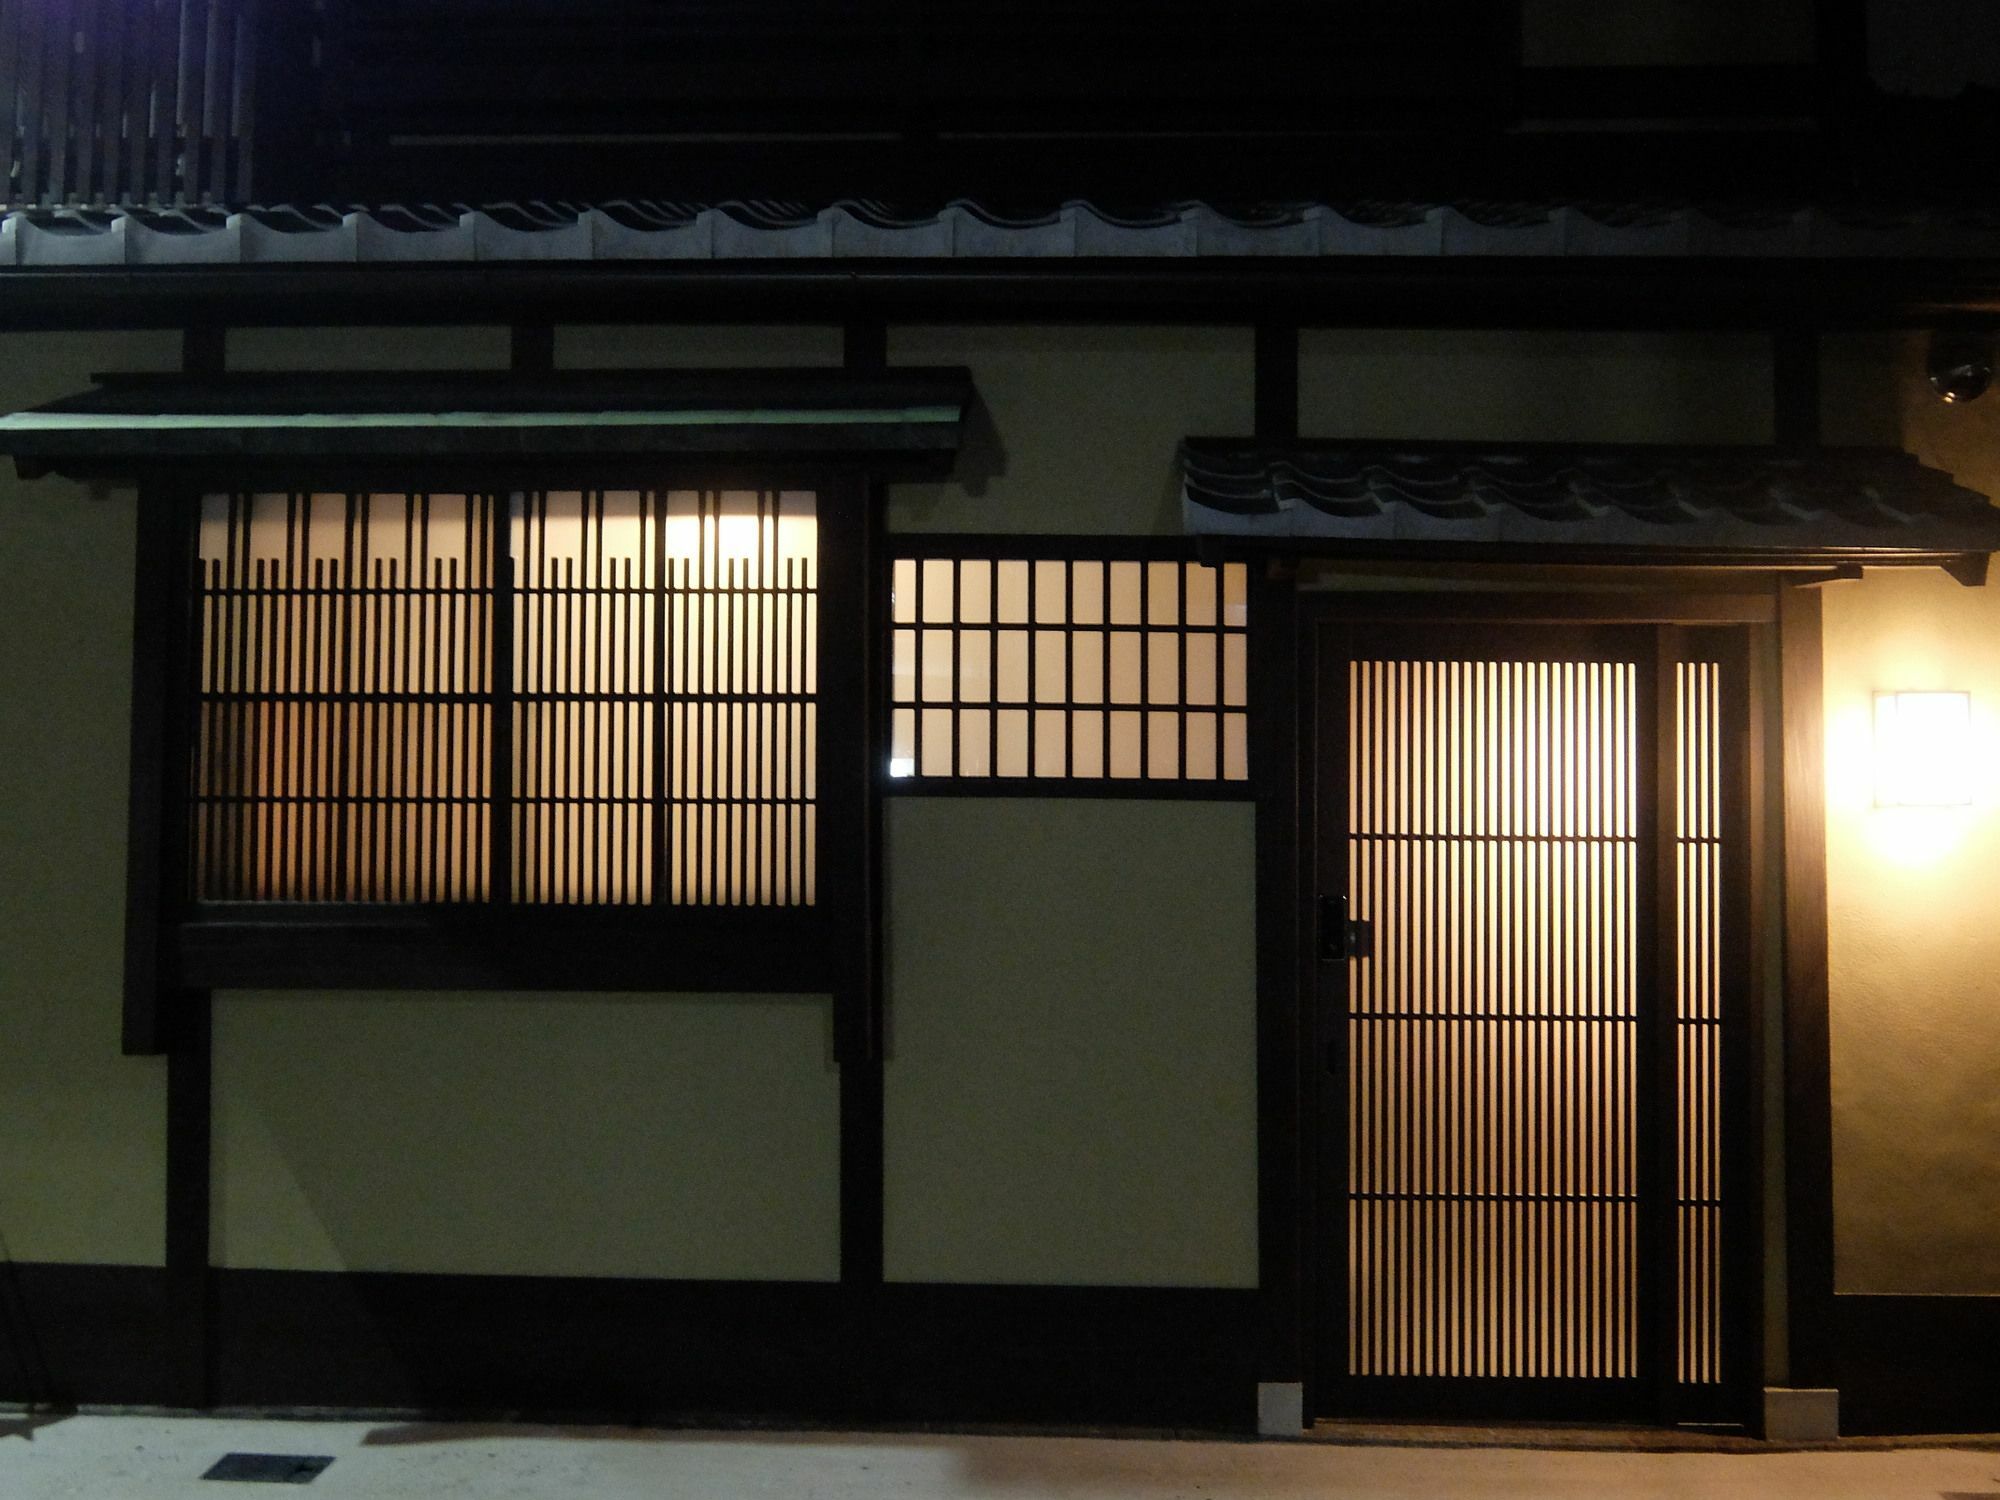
[982, 456]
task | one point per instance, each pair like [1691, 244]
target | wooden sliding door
[1532, 911]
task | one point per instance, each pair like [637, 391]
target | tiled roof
[1750, 499]
[630, 230]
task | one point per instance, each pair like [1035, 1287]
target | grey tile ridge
[628, 229]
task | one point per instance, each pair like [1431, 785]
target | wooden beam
[1502, 292]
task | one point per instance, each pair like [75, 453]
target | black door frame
[1746, 615]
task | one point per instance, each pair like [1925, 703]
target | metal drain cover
[269, 1468]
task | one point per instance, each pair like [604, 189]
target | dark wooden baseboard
[674, 1351]
[649, 1351]
[1917, 1364]
[86, 1335]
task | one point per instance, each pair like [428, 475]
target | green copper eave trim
[63, 421]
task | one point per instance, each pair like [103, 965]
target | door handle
[1342, 937]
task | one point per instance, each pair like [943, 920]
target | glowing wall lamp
[1923, 749]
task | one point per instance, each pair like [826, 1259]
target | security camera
[1960, 365]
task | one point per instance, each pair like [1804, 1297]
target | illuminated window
[1076, 669]
[620, 712]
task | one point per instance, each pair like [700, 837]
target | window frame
[177, 942]
[1033, 547]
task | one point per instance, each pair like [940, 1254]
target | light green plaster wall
[645, 346]
[367, 349]
[82, 1177]
[573, 1135]
[1535, 387]
[1612, 33]
[1075, 429]
[1914, 950]
[1071, 1087]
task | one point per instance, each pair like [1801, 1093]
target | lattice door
[1528, 1052]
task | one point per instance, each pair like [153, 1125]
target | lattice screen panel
[1495, 1219]
[1069, 668]
[344, 736]
[648, 735]
[1492, 1037]
[670, 630]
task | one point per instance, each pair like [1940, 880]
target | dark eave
[1388, 292]
[906, 420]
[1669, 505]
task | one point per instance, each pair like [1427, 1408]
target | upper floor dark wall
[1019, 102]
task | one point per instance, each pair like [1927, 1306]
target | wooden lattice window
[581, 697]
[1084, 669]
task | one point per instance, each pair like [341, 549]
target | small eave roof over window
[1731, 506]
[907, 420]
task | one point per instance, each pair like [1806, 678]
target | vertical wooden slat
[134, 100]
[89, 65]
[12, 127]
[33, 25]
[60, 42]
[504, 876]
[218, 52]
[190, 93]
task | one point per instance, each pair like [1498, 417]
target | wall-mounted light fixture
[1923, 749]
[1960, 364]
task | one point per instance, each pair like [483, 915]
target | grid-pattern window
[1066, 668]
[648, 736]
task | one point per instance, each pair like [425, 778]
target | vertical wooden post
[531, 348]
[1744, 1006]
[1808, 1057]
[1658, 910]
[1289, 1086]
[860, 1009]
[1795, 388]
[189, 1164]
[157, 696]
[1276, 401]
[1297, 1328]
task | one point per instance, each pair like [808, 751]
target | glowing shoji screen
[1069, 668]
[648, 735]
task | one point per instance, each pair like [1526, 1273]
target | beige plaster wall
[1610, 33]
[82, 1178]
[1444, 384]
[1071, 1087]
[1914, 947]
[573, 1135]
[1075, 428]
